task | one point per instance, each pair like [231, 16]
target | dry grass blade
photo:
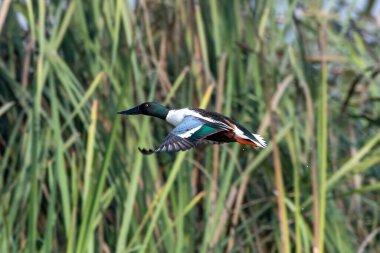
[4, 8]
[282, 215]
[368, 240]
[265, 121]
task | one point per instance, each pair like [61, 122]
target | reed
[306, 78]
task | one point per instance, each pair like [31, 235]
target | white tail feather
[261, 142]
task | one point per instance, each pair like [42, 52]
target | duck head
[148, 108]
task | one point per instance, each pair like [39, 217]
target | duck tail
[260, 142]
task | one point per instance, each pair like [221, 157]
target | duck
[193, 127]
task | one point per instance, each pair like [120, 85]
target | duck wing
[187, 134]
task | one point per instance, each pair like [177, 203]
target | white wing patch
[239, 133]
[190, 132]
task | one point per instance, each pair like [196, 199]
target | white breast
[174, 117]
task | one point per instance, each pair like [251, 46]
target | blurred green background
[304, 74]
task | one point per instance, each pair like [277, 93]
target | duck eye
[146, 105]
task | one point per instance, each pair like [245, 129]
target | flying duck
[194, 126]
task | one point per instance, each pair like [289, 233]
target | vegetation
[305, 76]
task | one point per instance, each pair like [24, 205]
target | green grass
[72, 179]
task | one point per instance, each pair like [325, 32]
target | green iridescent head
[148, 108]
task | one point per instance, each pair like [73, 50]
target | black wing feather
[172, 143]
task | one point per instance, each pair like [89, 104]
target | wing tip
[260, 141]
[146, 151]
